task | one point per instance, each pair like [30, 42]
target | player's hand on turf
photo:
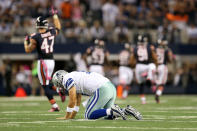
[61, 118]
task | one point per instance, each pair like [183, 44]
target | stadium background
[115, 21]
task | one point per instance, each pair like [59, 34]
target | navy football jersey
[162, 55]
[124, 57]
[45, 42]
[142, 54]
[97, 56]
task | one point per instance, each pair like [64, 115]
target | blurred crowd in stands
[115, 21]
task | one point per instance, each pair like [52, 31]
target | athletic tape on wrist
[76, 108]
[69, 109]
[55, 16]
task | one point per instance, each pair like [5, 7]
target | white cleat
[129, 110]
[118, 112]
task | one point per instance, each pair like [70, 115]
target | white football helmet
[58, 78]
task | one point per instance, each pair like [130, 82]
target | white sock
[108, 111]
[55, 105]
[125, 94]
[143, 98]
[159, 92]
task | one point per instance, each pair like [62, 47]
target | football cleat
[117, 112]
[54, 109]
[130, 111]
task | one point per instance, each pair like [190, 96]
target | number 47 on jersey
[47, 44]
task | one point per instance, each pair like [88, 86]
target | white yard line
[19, 104]
[183, 111]
[33, 114]
[10, 118]
[98, 127]
[125, 127]
[37, 122]
[178, 108]
[171, 117]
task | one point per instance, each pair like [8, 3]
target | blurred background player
[97, 56]
[43, 42]
[125, 72]
[145, 58]
[80, 62]
[164, 56]
[101, 91]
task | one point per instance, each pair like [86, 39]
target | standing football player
[145, 58]
[43, 42]
[164, 56]
[125, 71]
[97, 56]
[101, 91]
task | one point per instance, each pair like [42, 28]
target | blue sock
[98, 114]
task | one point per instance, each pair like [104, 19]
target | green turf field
[175, 113]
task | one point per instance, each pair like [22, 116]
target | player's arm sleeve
[69, 83]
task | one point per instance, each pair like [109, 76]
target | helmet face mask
[41, 23]
[58, 78]
[127, 46]
[162, 43]
[142, 40]
[99, 43]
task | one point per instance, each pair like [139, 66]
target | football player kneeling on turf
[101, 91]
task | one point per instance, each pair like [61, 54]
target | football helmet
[99, 43]
[41, 22]
[162, 41]
[142, 40]
[58, 78]
[127, 46]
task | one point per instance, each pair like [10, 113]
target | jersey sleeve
[68, 82]
[34, 36]
[53, 30]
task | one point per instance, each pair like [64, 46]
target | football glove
[53, 11]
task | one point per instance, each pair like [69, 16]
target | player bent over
[43, 42]
[101, 91]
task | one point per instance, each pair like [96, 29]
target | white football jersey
[85, 82]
